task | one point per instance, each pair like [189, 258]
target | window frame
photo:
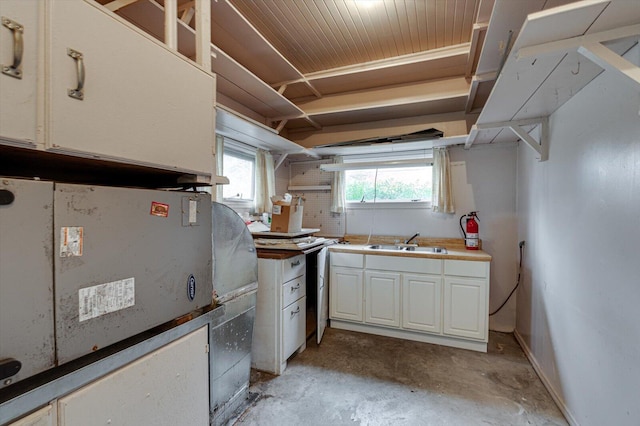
[388, 161]
[241, 151]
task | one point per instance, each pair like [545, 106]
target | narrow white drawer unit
[280, 326]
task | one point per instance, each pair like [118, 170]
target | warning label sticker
[71, 241]
[105, 298]
[159, 209]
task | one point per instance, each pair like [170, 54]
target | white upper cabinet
[18, 81]
[110, 91]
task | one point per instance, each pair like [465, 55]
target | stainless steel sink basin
[441, 250]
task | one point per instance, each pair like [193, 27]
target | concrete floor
[361, 379]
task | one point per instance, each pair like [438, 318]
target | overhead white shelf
[558, 52]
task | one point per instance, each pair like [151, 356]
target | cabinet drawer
[350, 260]
[466, 268]
[404, 264]
[293, 267]
[293, 290]
[293, 327]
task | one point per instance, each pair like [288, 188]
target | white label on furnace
[71, 238]
[193, 211]
[105, 298]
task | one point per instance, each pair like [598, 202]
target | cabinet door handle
[296, 263]
[297, 287]
[78, 92]
[294, 313]
[14, 70]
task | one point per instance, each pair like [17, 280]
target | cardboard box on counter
[287, 216]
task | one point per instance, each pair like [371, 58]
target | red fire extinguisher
[471, 238]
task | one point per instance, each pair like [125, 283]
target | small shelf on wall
[309, 188]
[219, 180]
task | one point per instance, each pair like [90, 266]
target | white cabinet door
[18, 96]
[382, 298]
[322, 296]
[345, 297]
[421, 301]
[465, 307]
[142, 103]
[167, 387]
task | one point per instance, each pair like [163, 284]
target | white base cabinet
[430, 300]
[169, 386]
[421, 296]
[141, 103]
[346, 286]
[280, 324]
[382, 298]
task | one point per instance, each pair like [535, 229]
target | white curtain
[337, 189]
[265, 181]
[442, 194]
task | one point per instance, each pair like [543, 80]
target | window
[391, 185]
[389, 179]
[240, 168]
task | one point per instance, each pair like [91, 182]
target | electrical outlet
[521, 244]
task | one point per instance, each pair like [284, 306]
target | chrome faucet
[410, 239]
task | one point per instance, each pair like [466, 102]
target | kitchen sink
[428, 249]
[441, 250]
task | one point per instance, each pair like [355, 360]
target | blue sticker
[191, 287]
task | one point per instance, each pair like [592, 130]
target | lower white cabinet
[345, 293]
[280, 325]
[417, 298]
[464, 313]
[382, 298]
[421, 302]
[167, 387]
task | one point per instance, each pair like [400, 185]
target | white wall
[579, 212]
[485, 180]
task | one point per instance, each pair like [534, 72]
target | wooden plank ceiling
[320, 35]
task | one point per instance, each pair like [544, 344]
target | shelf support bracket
[118, 4]
[611, 61]
[281, 125]
[541, 146]
[283, 157]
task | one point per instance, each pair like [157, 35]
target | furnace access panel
[109, 262]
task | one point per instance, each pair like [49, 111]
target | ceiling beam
[388, 96]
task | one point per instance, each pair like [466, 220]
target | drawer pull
[296, 263]
[14, 70]
[297, 287]
[294, 313]
[78, 92]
